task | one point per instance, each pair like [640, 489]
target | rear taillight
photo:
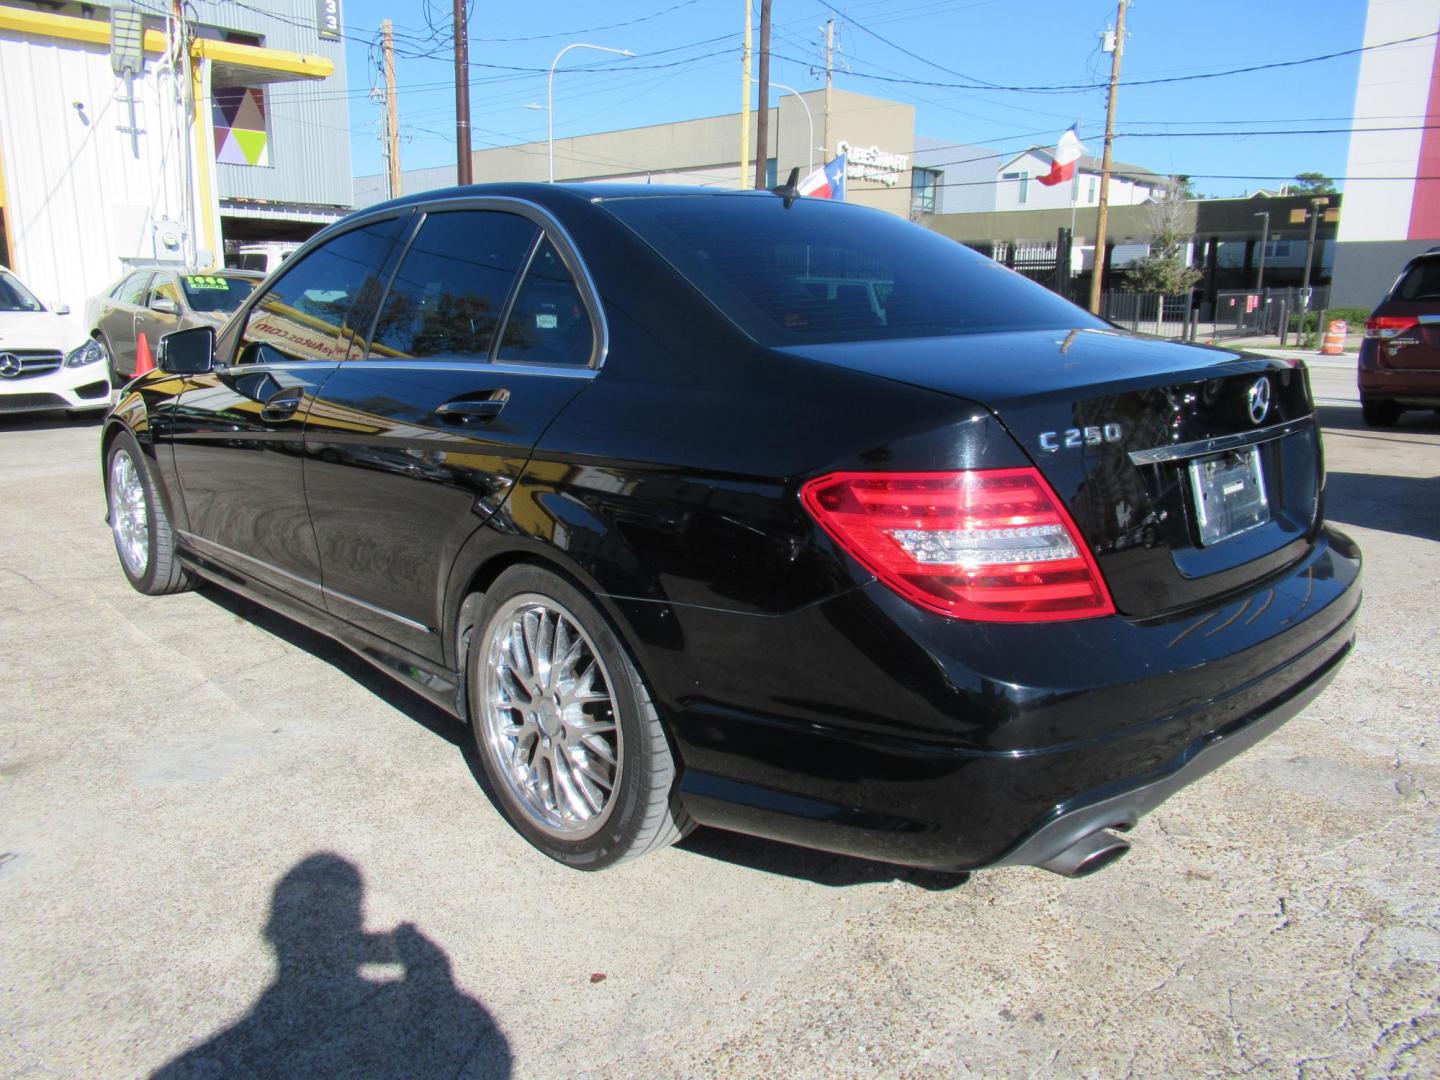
[990, 544]
[1387, 326]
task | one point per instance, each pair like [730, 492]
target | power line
[900, 48]
[1070, 88]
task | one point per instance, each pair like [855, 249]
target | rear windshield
[216, 292]
[821, 272]
[1421, 282]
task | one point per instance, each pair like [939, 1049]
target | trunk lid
[1182, 485]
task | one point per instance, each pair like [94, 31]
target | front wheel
[143, 537]
[569, 738]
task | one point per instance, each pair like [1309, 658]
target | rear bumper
[1417, 386]
[867, 728]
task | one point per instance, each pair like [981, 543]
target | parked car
[1400, 353]
[967, 582]
[153, 302]
[263, 257]
[46, 361]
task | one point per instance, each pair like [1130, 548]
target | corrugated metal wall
[81, 199]
[309, 121]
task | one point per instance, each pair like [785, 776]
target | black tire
[1379, 412]
[146, 549]
[512, 714]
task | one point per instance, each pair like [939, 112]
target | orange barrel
[1334, 343]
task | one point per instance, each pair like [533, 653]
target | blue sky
[688, 65]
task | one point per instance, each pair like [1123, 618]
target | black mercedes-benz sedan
[751, 511]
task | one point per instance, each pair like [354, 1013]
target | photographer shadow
[323, 1017]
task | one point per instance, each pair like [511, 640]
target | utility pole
[829, 80]
[745, 98]
[762, 120]
[1264, 216]
[392, 112]
[1103, 212]
[463, 164]
[1317, 207]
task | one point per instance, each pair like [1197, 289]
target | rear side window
[549, 323]
[320, 304]
[1421, 282]
[823, 272]
[449, 294]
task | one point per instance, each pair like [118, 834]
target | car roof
[549, 194]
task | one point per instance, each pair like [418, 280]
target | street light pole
[1264, 215]
[1315, 206]
[550, 97]
[809, 119]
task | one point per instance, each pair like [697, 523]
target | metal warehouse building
[231, 125]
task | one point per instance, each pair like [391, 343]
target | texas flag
[1067, 152]
[826, 183]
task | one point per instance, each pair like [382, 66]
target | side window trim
[515, 286]
[398, 251]
[559, 236]
[235, 328]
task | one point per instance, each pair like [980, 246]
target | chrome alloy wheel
[549, 716]
[129, 513]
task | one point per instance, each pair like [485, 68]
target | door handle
[280, 408]
[474, 411]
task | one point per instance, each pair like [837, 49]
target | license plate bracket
[1228, 494]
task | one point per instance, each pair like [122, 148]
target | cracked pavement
[227, 846]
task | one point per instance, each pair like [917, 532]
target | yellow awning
[238, 64]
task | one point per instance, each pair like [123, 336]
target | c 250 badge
[1074, 437]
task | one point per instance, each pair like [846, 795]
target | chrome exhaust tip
[1090, 853]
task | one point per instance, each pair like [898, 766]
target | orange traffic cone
[1334, 343]
[143, 360]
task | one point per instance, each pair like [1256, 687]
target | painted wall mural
[241, 134]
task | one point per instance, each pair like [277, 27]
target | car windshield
[216, 292]
[15, 297]
[823, 272]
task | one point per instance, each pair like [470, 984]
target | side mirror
[63, 309]
[187, 352]
[165, 306]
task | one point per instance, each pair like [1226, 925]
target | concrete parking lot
[228, 847]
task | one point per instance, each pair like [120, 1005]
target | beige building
[879, 135]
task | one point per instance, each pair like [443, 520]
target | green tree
[1313, 183]
[1165, 269]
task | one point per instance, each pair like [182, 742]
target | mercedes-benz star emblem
[1260, 399]
[9, 365]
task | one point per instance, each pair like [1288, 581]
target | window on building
[1023, 180]
[1092, 194]
[450, 291]
[923, 185]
